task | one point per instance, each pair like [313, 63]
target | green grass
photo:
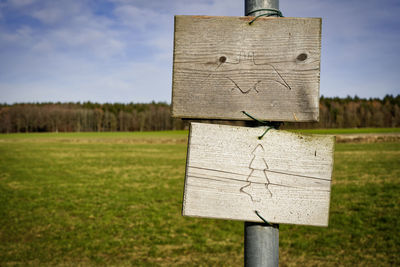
[95, 199]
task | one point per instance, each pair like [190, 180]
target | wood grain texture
[285, 176]
[223, 65]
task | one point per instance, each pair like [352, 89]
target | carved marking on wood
[246, 61]
[257, 187]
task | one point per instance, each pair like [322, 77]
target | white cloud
[140, 18]
[21, 3]
[21, 37]
[48, 15]
[68, 28]
[212, 8]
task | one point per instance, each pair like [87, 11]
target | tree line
[350, 112]
[355, 112]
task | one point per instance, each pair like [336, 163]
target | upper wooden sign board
[231, 174]
[224, 65]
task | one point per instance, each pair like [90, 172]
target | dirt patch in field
[368, 138]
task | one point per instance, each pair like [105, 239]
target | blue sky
[121, 50]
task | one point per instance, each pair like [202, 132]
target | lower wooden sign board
[231, 174]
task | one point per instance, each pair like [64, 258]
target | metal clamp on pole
[256, 8]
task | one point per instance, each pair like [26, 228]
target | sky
[121, 50]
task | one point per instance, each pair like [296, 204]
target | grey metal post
[261, 241]
[250, 5]
[261, 244]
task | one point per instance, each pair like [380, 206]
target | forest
[350, 112]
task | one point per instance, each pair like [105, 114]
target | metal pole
[261, 244]
[261, 241]
[251, 5]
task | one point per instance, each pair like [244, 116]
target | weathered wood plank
[285, 176]
[223, 65]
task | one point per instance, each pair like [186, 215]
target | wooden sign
[224, 65]
[285, 177]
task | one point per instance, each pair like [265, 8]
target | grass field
[93, 199]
